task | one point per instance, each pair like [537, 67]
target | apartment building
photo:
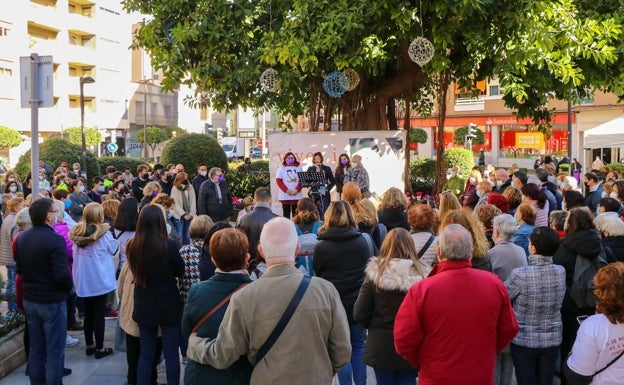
[504, 134]
[86, 38]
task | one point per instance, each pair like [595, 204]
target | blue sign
[112, 147]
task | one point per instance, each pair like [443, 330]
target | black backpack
[581, 290]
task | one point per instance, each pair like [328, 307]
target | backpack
[581, 290]
[307, 242]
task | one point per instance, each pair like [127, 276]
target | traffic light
[472, 131]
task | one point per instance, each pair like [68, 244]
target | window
[167, 111]
[493, 90]
[6, 72]
[138, 106]
[153, 108]
[4, 31]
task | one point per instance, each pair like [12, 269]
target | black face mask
[146, 176]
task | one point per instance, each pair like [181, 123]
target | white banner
[382, 155]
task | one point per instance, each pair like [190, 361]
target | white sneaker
[71, 341]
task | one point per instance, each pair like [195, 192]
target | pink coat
[62, 229]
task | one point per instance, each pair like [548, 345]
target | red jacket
[452, 324]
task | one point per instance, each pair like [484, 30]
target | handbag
[120, 337]
[281, 324]
[578, 379]
[217, 307]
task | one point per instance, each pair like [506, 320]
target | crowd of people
[508, 273]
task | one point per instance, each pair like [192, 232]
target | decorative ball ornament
[269, 80]
[421, 51]
[168, 33]
[353, 79]
[333, 84]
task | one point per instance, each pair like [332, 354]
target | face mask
[154, 193]
[81, 188]
[344, 162]
[101, 189]
[355, 164]
[317, 164]
[472, 180]
[203, 173]
[67, 204]
[486, 173]
[479, 193]
[453, 174]
[146, 176]
[11, 179]
[290, 161]
[13, 189]
[76, 170]
[221, 179]
[516, 169]
[55, 220]
[613, 195]
[169, 214]
[184, 186]
[562, 184]
[499, 184]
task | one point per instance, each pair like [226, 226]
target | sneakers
[71, 341]
[75, 326]
[111, 314]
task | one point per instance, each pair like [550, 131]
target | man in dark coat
[252, 223]
[140, 181]
[215, 197]
[42, 261]
[593, 192]
[201, 177]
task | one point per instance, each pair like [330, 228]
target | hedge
[193, 149]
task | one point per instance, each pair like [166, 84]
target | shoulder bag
[217, 307]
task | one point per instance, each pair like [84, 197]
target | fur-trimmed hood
[398, 275]
[93, 233]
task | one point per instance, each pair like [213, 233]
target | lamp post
[145, 83]
[83, 80]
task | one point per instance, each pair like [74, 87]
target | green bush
[54, 151]
[193, 149]
[244, 184]
[460, 157]
[256, 165]
[423, 168]
[120, 163]
[423, 185]
[616, 166]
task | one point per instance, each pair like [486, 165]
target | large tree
[9, 138]
[537, 48]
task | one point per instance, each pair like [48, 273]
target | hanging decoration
[420, 49]
[171, 25]
[353, 79]
[269, 80]
[333, 84]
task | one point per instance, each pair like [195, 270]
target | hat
[64, 164]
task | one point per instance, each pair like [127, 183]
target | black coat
[137, 188]
[614, 248]
[585, 243]
[252, 225]
[160, 303]
[197, 182]
[42, 261]
[329, 176]
[393, 218]
[209, 204]
[340, 256]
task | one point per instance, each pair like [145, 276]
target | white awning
[606, 135]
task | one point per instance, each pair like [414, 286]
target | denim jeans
[171, 345]
[396, 377]
[10, 288]
[355, 370]
[47, 326]
[534, 366]
[182, 227]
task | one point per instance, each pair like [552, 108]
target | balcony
[469, 104]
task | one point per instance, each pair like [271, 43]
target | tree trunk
[443, 84]
[408, 143]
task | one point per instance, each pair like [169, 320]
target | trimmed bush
[460, 157]
[244, 184]
[54, 151]
[193, 149]
[616, 166]
[423, 168]
[120, 163]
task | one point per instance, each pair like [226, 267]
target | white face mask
[203, 173]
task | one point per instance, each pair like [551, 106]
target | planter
[12, 352]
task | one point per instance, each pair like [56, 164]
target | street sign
[247, 134]
[45, 72]
[112, 148]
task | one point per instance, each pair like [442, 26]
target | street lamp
[145, 83]
[83, 80]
